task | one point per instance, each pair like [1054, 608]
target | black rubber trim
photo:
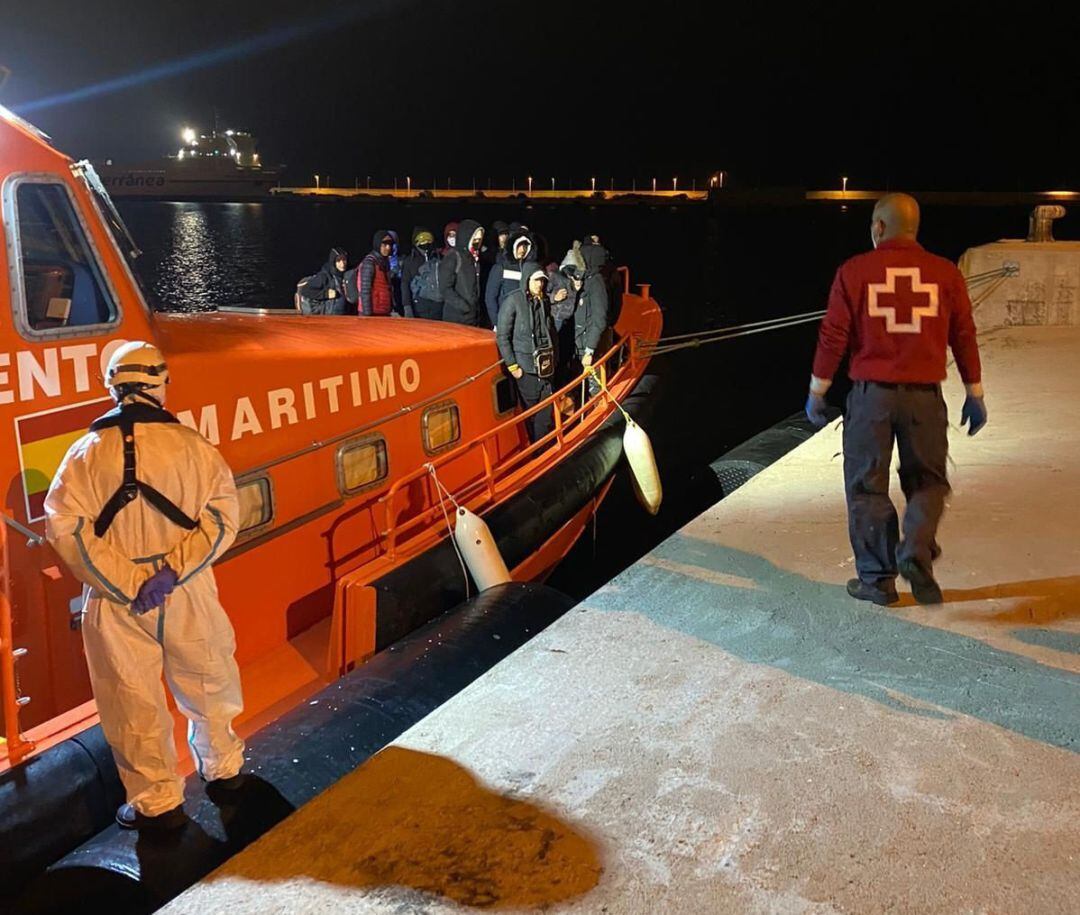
[297, 757]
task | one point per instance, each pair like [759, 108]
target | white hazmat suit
[190, 638]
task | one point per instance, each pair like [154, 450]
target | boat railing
[485, 488]
[15, 746]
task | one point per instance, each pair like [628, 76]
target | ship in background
[221, 165]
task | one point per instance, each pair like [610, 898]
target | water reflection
[198, 256]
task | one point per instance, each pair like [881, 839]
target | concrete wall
[1044, 292]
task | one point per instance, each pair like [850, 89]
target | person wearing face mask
[420, 292]
[450, 232]
[459, 275]
[896, 310]
[376, 292]
[528, 344]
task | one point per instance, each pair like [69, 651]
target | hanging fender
[479, 550]
[643, 470]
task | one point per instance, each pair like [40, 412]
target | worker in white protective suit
[139, 510]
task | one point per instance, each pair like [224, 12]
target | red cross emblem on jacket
[902, 295]
[897, 310]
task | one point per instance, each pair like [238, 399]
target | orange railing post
[17, 747]
[397, 534]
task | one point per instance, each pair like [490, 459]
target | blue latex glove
[154, 591]
[816, 410]
[974, 412]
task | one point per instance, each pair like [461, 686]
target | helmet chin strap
[145, 396]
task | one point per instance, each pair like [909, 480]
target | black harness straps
[125, 418]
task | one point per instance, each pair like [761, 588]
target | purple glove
[154, 591]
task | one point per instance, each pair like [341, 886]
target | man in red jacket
[896, 309]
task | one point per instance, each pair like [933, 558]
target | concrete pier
[721, 729]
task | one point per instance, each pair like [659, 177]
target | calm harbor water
[708, 267]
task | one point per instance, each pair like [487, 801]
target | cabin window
[361, 464]
[505, 395]
[256, 504]
[57, 272]
[442, 427]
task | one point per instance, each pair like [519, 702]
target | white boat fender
[479, 550]
[644, 473]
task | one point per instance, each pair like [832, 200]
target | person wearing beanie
[376, 291]
[493, 255]
[420, 293]
[528, 344]
[501, 232]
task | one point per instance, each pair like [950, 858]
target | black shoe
[923, 585]
[128, 817]
[227, 792]
[860, 590]
[233, 783]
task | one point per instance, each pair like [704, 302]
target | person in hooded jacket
[326, 289]
[528, 344]
[591, 335]
[376, 292]
[507, 276]
[421, 266]
[459, 275]
[450, 233]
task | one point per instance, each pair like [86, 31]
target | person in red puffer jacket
[376, 293]
[896, 310]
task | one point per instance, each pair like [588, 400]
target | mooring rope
[990, 279]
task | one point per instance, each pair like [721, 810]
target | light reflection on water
[708, 266]
[197, 256]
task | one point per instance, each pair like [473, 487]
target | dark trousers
[425, 308]
[917, 418]
[532, 390]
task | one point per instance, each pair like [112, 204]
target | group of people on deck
[551, 319]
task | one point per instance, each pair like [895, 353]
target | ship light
[188, 135]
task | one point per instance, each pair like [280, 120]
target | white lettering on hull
[54, 371]
[207, 426]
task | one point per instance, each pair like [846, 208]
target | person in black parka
[459, 275]
[528, 344]
[418, 270]
[508, 273]
[326, 289]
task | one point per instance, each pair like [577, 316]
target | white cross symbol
[888, 312]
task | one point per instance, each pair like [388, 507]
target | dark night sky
[957, 95]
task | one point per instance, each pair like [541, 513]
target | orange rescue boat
[344, 435]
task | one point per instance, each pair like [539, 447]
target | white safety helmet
[137, 367]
